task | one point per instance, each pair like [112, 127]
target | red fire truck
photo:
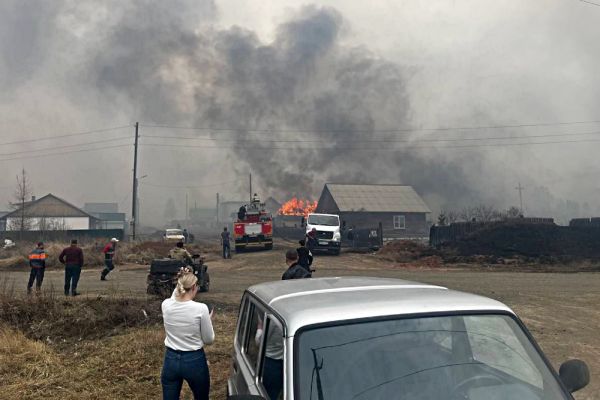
[254, 227]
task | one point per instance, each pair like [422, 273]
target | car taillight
[238, 229]
[267, 229]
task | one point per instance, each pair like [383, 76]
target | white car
[371, 338]
[174, 235]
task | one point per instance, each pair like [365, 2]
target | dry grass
[17, 256]
[137, 253]
[93, 348]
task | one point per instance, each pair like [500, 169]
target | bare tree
[513, 212]
[485, 213]
[466, 213]
[22, 194]
[447, 217]
[451, 216]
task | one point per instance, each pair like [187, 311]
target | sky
[300, 94]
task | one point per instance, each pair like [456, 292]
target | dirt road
[559, 308]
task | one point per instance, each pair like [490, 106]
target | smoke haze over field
[300, 96]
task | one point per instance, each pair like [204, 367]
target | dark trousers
[37, 275]
[190, 366]
[226, 250]
[72, 273]
[273, 377]
[109, 266]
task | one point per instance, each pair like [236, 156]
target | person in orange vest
[37, 262]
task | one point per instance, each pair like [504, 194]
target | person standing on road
[305, 257]
[37, 262]
[188, 328]
[225, 241]
[294, 271]
[109, 256]
[72, 257]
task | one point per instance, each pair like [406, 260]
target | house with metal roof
[49, 213]
[398, 209]
[107, 214]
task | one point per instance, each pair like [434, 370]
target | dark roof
[50, 206]
[104, 208]
[110, 216]
[376, 198]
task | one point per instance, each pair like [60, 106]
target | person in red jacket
[72, 257]
[109, 255]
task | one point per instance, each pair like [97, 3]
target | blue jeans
[226, 250]
[37, 275]
[108, 266]
[72, 273]
[273, 377]
[190, 366]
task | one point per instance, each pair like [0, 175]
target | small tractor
[162, 278]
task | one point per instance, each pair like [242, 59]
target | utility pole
[187, 213]
[520, 189]
[217, 208]
[250, 188]
[135, 183]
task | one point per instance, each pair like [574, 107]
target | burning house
[401, 212]
[291, 212]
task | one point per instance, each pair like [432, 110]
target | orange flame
[298, 207]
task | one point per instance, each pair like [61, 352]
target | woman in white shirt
[188, 328]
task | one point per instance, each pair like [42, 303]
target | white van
[327, 236]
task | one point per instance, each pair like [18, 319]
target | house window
[399, 222]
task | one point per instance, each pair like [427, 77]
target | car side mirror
[575, 375]
[245, 397]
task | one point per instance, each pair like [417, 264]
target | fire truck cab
[254, 227]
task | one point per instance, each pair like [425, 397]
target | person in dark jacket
[225, 242]
[294, 271]
[311, 238]
[37, 262]
[72, 257]
[305, 257]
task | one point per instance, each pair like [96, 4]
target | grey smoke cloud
[74, 65]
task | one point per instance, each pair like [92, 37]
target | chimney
[32, 198]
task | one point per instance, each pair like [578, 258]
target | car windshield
[472, 357]
[174, 232]
[327, 220]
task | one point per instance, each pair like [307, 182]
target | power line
[199, 186]
[374, 140]
[590, 2]
[65, 152]
[370, 148]
[523, 125]
[66, 135]
[63, 147]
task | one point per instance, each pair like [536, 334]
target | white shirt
[187, 324]
[274, 346]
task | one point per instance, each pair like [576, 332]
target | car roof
[303, 302]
